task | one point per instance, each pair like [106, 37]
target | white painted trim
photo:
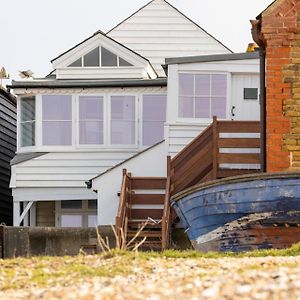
[16, 216]
[24, 213]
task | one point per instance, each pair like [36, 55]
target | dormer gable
[101, 57]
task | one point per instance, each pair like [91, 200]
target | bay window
[27, 121]
[57, 120]
[154, 117]
[202, 95]
[123, 123]
[91, 120]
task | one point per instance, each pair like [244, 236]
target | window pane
[202, 85]
[218, 85]
[71, 221]
[218, 107]
[154, 117]
[186, 84]
[92, 220]
[202, 107]
[70, 204]
[251, 93]
[57, 133]
[27, 134]
[57, 107]
[123, 120]
[108, 59]
[92, 204]
[186, 107]
[91, 132]
[124, 63]
[91, 108]
[27, 109]
[92, 58]
[76, 63]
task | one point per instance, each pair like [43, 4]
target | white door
[245, 97]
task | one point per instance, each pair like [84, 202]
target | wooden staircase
[206, 158]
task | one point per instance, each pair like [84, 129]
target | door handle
[232, 111]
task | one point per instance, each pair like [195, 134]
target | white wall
[150, 163]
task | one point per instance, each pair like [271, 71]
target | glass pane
[71, 204]
[124, 63]
[154, 107]
[27, 134]
[186, 107]
[218, 107]
[186, 84]
[202, 107]
[90, 108]
[218, 85]
[57, 133]
[92, 204]
[108, 59]
[92, 220]
[123, 120]
[153, 132]
[91, 132]
[71, 221]
[251, 93]
[57, 107]
[202, 85]
[92, 58]
[27, 109]
[76, 63]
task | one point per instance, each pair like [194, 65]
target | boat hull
[242, 213]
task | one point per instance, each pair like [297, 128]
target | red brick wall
[282, 37]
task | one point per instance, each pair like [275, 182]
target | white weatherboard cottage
[109, 105]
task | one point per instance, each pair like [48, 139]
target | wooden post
[215, 148]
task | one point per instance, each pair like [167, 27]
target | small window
[57, 120]
[108, 59]
[76, 63]
[70, 204]
[124, 63]
[250, 93]
[92, 58]
[27, 122]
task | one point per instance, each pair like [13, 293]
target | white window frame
[228, 98]
[83, 212]
[137, 143]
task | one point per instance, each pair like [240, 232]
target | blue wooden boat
[242, 213]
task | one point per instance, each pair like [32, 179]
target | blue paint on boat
[206, 208]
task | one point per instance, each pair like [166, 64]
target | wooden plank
[148, 183]
[138, 214]
[239, 158]
[239, 143]
[147, 199]
[222, 173]
[239, 126]
[215, 149]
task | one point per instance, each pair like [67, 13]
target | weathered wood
[239, 158]
[238, 126]
[148, 183]
[147, 199]
[138, 214]
[215, 149]
[235, 172]
[238, 143]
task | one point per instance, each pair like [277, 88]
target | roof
[21, 157]
[180, 13]
[103, 34]
[8, 96]
[211, 58]
[64, 83]
[126, 160]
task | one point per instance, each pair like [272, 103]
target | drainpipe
[258, 38]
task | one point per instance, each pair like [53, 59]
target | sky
[35, 31]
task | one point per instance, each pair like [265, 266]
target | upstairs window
[123, 123]
[91, 120]
[202, 95]
[27, 121]
[57, 120]
[154, 117]
[100, 57]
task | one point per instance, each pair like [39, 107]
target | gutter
[258, 38]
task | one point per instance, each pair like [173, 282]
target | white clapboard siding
[68, 169]
[158, 31]
[180, 135]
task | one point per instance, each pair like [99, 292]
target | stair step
[145, 233]
[147, 199]
[148, 183]
[143, 214]
[139, 224]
